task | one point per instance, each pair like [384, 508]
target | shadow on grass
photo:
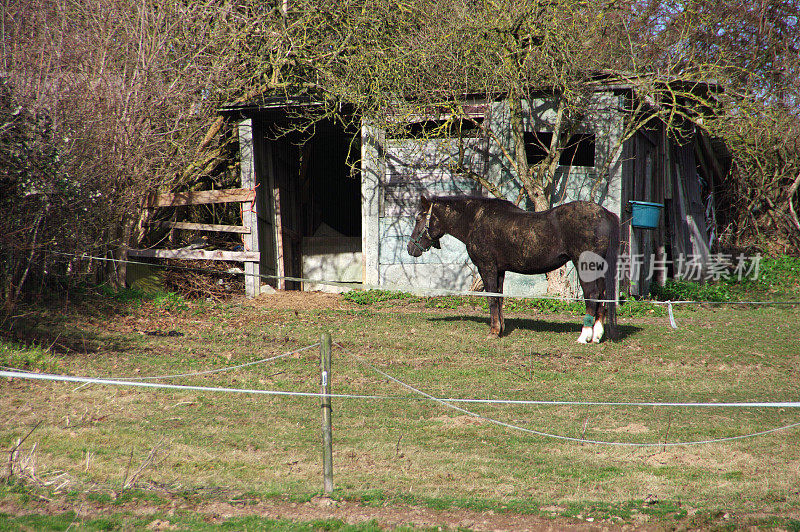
[67, 332]
[538, 326]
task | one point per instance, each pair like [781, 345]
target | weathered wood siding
[661, 170]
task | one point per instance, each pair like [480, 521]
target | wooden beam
[196, 254]
[203, 227]
[247, 176]
[711, 157]
[200, 197]
[276, 208]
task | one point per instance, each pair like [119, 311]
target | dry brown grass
[115, 439]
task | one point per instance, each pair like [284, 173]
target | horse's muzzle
[414, 248]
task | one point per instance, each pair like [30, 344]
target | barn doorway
[310, 212]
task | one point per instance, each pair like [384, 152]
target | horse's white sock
[586, 335]
[598, 331]
[586, 332]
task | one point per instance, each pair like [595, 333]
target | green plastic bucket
[645, 214]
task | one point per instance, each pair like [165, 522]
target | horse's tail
[611, 258]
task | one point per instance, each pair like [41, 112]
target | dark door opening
[330, 192]
[312, 204]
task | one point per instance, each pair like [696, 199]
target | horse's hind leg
[600, 315]
[592, 330]
[598, 330]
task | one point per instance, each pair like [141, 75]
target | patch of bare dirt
[298, 300]
[352, 513]
[632, 428]
[458, 421]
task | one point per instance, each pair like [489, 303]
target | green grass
[382, 299]
[127, 521]
[777, 278]
[28, 358]
[370, 297]
[199, 447]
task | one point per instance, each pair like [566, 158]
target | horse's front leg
[598, 330]
[492, 282]
[501, 277]
[588, 328]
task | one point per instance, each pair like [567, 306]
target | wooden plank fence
[200, 197]
[245, 196]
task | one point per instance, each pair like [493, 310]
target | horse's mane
[461, 197]
[471, 198]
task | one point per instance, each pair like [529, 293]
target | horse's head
[426, 232]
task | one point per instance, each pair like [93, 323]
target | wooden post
[247, 174]
[327, 436]
[281, 271]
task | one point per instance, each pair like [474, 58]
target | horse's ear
[424, 202]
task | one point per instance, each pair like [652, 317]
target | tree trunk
[14, 290]
[789, 197]
[532, 187]
[540, 187]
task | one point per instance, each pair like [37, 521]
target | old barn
[337, 204]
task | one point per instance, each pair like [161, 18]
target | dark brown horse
[500, 237]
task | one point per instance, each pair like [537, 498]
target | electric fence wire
[123, 381]
[416, 290]
[447, 403]
[423, 395]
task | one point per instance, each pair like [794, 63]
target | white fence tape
[447, 403]
[671, 317]
[444, 402]
[125, 381]
[155, 385]
[424, 291]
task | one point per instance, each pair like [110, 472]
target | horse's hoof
[586, 336]
[597, 332]
[493, 335]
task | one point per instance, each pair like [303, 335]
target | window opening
[579, 151]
